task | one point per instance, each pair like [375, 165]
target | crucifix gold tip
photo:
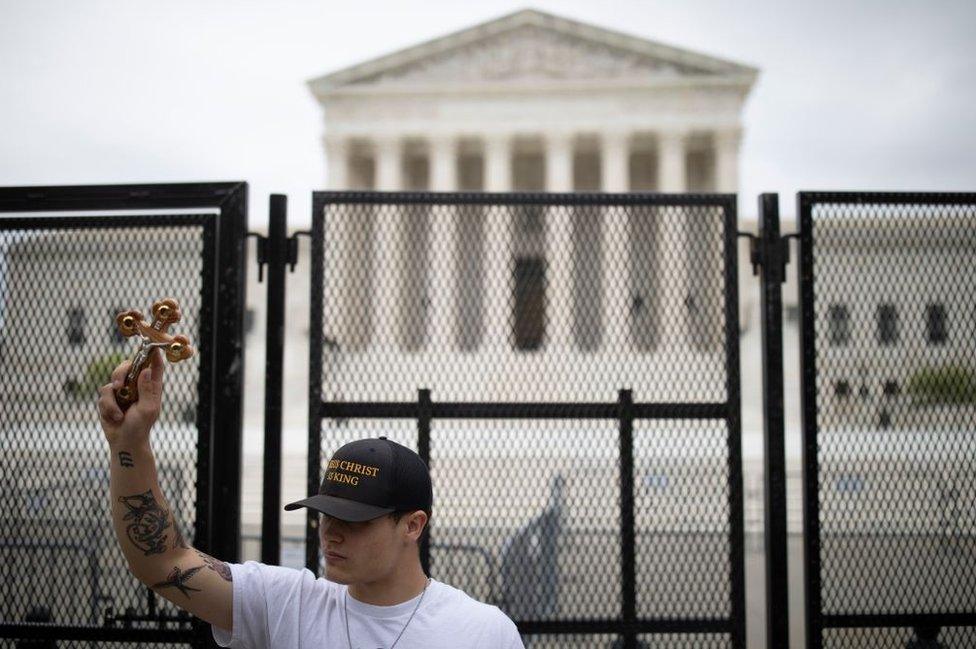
[153, 334]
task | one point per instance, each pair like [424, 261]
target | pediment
[526, 48]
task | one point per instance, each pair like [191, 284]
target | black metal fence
[568, 367]
[888, 312]
[62, 279]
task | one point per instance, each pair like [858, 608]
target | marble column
[387, 236]
[340, 261]
[727, 160]
[389, 164]
[559, 244]
[443, 254]
[337, 163]
[671, 320]
[672, 177]
[498, 231]
[614, 176]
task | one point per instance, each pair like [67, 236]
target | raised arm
[145, 525]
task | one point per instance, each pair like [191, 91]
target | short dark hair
[425, 535]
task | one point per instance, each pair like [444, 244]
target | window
[839, 324]
[76, 326]
[530, 303]
[842, 389]
[935, 317]
[792, 312]
[884, 419]
[887, 324]
[891, 388]
[248, 320]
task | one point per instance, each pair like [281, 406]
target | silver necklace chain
[345, 610]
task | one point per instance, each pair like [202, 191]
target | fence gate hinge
[762, 249]
[262, 250]
[291, 250]
[293, 247]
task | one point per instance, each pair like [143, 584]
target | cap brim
[341, 508]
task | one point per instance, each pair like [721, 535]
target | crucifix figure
[154, 334]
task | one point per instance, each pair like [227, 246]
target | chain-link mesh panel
[523, 302]
[61, 290]
[538, 503]
[901, 638]
[555, 641]
[681, 489]
[489, 303]
[895, 338]
[670, 641]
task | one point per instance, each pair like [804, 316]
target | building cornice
[742, 84]
[711, 68]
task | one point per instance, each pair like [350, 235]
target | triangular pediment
[530, 47]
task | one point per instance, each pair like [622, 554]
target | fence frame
[815, 618]
[217, 529]
[623, 411]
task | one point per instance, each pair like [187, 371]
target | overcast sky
[851, 95]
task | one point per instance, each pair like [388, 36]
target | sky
[851, 94]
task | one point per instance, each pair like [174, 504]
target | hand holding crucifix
[154, 335]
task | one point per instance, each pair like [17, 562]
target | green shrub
[98, 373]
[943, 385]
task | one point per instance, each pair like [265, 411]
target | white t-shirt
[286, 608]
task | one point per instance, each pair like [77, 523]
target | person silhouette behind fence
[926, 637]
[530, 562]
[374, 504]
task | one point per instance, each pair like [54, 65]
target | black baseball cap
[370, 478]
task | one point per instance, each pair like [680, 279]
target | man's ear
[416, 522]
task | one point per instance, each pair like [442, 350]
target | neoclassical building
[529, 102]
[535, 102]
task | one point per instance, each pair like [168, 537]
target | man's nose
[331, 528]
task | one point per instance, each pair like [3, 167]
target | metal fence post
[424, 415]
[276, 249]
[628, 589]
[771, 254]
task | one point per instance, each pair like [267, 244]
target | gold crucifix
[154, 334]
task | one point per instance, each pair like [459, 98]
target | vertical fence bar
[733, 391]
[813, 618]
[277, 249]
[424, 415]
[771, 299]
[315, 378]
[206, 412]
[628, 562]
[228, 393]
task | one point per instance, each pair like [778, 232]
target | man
[374, 504]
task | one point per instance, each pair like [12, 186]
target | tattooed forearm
[125, 459]
[177, 579]
[219, 567]
[149, 522]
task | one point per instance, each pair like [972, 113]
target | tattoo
[125, 459]
[149, 521]
[219, 567]
[178, 578]
[179, 541]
